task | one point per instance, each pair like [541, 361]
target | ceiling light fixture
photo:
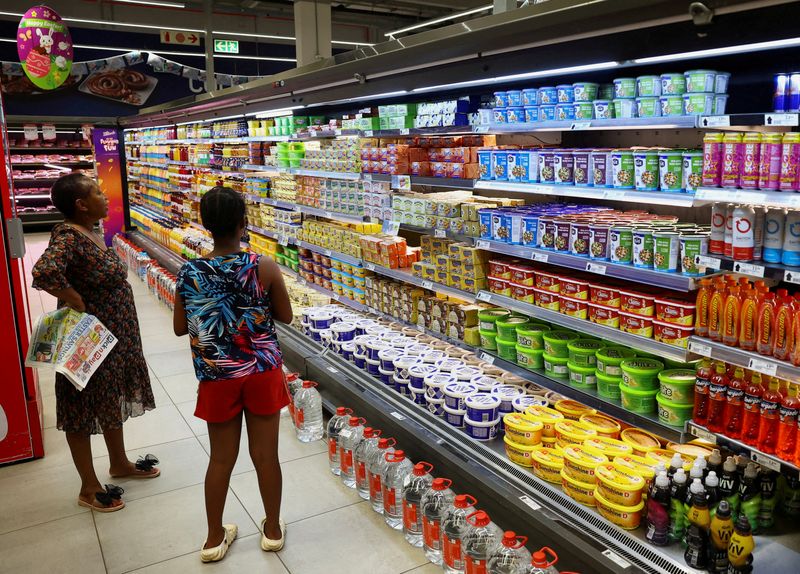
[152, 3]
[726, 51]
[276, 113]
[439, 20]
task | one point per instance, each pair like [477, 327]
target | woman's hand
[71, 298]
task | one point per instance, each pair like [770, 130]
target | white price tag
[366, 176]
[327, 252]
[30, 131]
[540, 257]
[700, 348]
[528, 501]
[486, 358]
[715, 121]
[440, 233]
[765, 461]
[481, 129]
[613, 194]
[707, 262]
[580, 125]
[791, 277]
[596, 268]
[332, 369]
[404, 131]
[484, 296]
[283, 240]
[336, 297]
[763, 366]
[781, 119]
[403, 182]
[427, 285]
[703, 434]
[48, 132]
[368, 134]
[396, 415]
[390, 227]
[327, 214]
[616, 559]
[749, 269]
[369, 266]
[482, 244]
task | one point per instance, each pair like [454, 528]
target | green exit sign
[226, 46]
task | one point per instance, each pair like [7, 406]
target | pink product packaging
[790, 165]
[712, 164]
[769, 171]
[731, 164]
[749, 167]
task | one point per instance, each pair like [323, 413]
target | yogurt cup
[455, 393]
[692, 171]
[645, 170]
[449, 365]
[585, 91]
[507, 394]
[547, 96]
[500, 115]
[673, 84]
[522, 402]
[531, 114]
[466, 374]
[320, 320]
[500, 99]
[565, 112]
[666, 247]
[701, 80]
[373, 367]
[670, 170]
[698, 103]
[514, 98]
[648, 107]
[481, 430]
[343, 331]
[529, 97]
[402, 364]
[482, 407]
[643, 247]
[547, 113]
[515, 114]
[453, 417]
[603, 109]
[625, 108]
[692, 246]
[387, 377]
[648, 86]
[435, 407]
[720, 103]
[434, 385]
[346, 350]
[484, 383]
[418, 373]
[418, 396]
[622, 169]
[565, 93]
[721, 80]
[671, 105]
[387, 357]
[374, 347]
[625, 87]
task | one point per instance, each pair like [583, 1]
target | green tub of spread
[638, 400]
[671, 413]
[608, 386]
[507, 328]
[555, 343]
[673, 364]
[582, 377]
[583, 352]
[488, 318]
[530, 358]
[641, 373]
[677, 385]
[507, 349]
[488, 340]
[555, 367]
[610, 358]
[532, 336]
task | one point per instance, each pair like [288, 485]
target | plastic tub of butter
[607, 446]
[488, 340]
[556, 343]
[522, 403]
[555, 367]
[638, 465]
[641, 440]
[572, 410]
[507, 350]
[481, 430]
[521, 430]
[610, 358]
[482, 407]
[488, 318]
[657, 455]
[547, 463]
[530, 358]
[608, 387]
[605, 426]
[672, 413]
[627, 517]
[507, 327]
[572, 432]
[579, 463]
[638, 400]
[455, 393]
[677, 385]
[547, 416]
[619, 486]
[532, 336]
[582, 492]
[582, 377]
[641, 374]
[583, 352]
[507, 394]
[519, 453]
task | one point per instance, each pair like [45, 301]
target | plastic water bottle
[510, 556]
[419, 484]
[479, 540]
[375, 470]
[337, 423]
[454, 526]
[435, 502]
[395, 477]
[361, 457]
[308, 413]
[540, 564]
[349, 438]
[294, 383]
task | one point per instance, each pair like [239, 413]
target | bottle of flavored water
[419, 484]
[308, 413]
[349, 438]
[395, 477]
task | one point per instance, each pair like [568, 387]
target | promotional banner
[44, 46]
[106, 143]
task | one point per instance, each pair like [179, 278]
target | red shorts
[265, 393]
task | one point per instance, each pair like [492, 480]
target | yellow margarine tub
[547, 463]
[691, 451]
[619, 486]
[582, 492]
[627, 517]
[636, 465]
[579, 463]
[659, 455]
[545, 415]
[641, 440]
[602, 424]
[607, 446]
[519, 453]
[522, 430]
[572, 432]
[550, 442]
[572, 409]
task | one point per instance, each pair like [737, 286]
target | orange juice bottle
[782, 341]
[701, 307]
[716, 305]
[765, 324]
[730, 317]
[794, 355]
[747, 321]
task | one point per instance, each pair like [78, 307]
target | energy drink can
[793, 97]
[780, 95]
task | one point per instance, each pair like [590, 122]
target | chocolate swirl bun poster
[44, 46]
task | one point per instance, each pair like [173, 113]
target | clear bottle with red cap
[542, 562]
[479, 540]
[337, 423]
[308, 413]
[510, 556]
[395, 477]
[418, 485]
[361, 458]
[375, 470]
[435, 503]
[349, 438]
[454, 526]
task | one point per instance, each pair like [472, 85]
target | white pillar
[312, 28]
[504, 6]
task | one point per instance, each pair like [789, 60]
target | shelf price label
[616, 559]
[781, 119]
[528, 501]
[703, 434]
[540, 257]
[327, 252]
[749, 269]
[484, 296]
[486, 358]
[700, 348]
[765, 461]
[336, 297]
[763, 366]
[482, 244]
[715, 121]
[580, 125]
[427, 285]
[707, 262]
[791, 277]
[368, 134]
[439, 233]
[396, 415]
[390, 227]
[283, 240]
[596, 268]
[369, 266]
[404, 131]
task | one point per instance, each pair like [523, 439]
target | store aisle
[42, 529]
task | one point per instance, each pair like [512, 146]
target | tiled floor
[42, 529]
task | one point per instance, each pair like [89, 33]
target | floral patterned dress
[120, 388]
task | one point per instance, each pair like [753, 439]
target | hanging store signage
[106, 143]
[226, 46]
[44, 46]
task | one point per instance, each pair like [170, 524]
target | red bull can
[780, 95]
[793, 98]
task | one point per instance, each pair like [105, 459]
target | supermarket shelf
[35, 182]
[774, 271]
[608, 194]
[162, 165]
[49, 149]
[407, 277]
[440, 233]
[334, 296]
[331, 214]
[271, 169]
[657, 123]
[170, 260]
[41, 218]
[421, 180]
[329, 174]
[328, 252]
[738, 447]
[674, 281]
[32, 196]
[747, 359]
[706, 195]
[270, 201]
[282, 239]
[432, 131]
[22, 164]
[585, 326]
[745, 120]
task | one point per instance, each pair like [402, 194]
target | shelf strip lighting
[276, 113]
[152, 3]
[439, 20]
[726, 51]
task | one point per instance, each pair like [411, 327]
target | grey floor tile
[183, 463]
[47, 382]
[161, 527]
[173, 362]
[245, 555]
[161, 425]
[159, 394]
[198, 425]
[427, 569]
[306, 490]
[56, 455]
[181, 387]
[66, 546]
[49, 410]
[353, 539]
[160, 344]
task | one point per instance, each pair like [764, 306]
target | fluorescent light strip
[276, 113]
[726, 51]
[440, 20]
[58, 167]
[151, 3]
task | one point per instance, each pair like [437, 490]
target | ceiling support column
[312, 28]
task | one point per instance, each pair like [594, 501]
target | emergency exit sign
[226, 46]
